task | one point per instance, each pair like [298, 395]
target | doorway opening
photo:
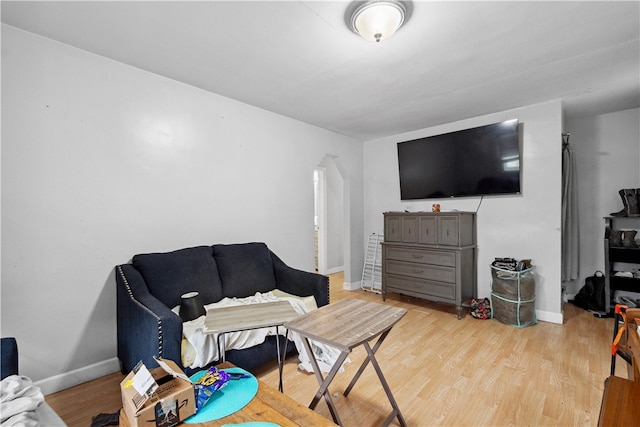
[328, 217]
[318, 218]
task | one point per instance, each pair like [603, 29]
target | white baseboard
[566, 297]
[547, 316]
[544, 316]
[335, 270]
[351, 286]
[78, 376]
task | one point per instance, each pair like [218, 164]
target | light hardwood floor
[442, 371]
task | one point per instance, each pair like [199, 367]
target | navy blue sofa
[151, 285]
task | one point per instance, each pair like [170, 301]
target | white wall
[101, 161]
[607, 150]
[520, 226]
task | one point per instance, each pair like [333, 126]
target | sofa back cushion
[245, 269]
[169, 275]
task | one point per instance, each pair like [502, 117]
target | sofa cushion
[244, 269]
[171, 274]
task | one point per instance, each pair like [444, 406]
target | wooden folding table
[345, 325]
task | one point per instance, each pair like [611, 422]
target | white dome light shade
[378, 20]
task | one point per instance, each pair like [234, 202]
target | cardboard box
[168, 400]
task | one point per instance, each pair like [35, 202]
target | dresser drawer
[437, 290]
[422, 256]
[392, 228]
[422, 271]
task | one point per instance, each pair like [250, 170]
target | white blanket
[19, 399]
[206, 348]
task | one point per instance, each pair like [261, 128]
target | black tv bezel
[476, 129]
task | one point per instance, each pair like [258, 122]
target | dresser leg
[459, 311]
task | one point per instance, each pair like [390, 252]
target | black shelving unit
[614, 255]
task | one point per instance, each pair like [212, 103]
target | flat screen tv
[473, 162]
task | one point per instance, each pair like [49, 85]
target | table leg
[371, 358]
[324, 381]
[396, 410]
[365, 363]
[221, 350]
[284, 355]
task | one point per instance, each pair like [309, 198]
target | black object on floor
[101, 420]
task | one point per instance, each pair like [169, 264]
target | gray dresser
[430, 255]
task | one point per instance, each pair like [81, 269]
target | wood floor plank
[442, 371]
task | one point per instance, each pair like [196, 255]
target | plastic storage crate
[513, 296]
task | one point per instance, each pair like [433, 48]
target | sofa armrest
[301, 283]
[9, 356]
[146, 327]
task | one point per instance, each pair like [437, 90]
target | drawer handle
[415, 270]
[417, 256]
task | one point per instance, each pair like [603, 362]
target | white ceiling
[452, 60]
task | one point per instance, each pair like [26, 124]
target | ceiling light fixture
[377, 20]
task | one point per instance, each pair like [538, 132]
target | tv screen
[471, 162]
